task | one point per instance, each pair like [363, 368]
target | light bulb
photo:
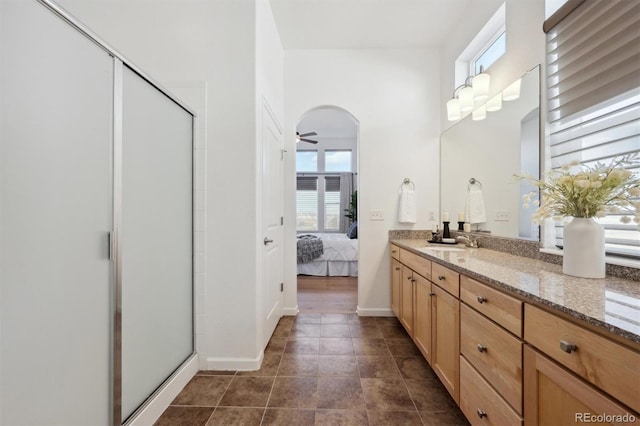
[466, 99]
[512, 91]
[481, 87]
[479, 113]
[495, 103]
[453, 109]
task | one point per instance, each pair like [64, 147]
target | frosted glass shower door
[157, 297]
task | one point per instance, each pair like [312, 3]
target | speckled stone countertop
[611, 303]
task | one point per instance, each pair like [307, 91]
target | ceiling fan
[301, 137]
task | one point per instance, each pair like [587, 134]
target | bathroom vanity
[514, 340]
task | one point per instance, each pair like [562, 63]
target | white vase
[583, 251]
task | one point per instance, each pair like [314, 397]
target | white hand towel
[474, 208]
[407, 208]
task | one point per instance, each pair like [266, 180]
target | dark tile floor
[323, 369]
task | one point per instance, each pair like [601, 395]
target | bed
[340, 257]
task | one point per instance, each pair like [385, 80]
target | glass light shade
[512, 91]
[453, 109]
[481, 86]
[495, 103]
[479, 113]
[466, 99]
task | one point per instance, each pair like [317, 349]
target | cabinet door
[422, 313]
[406, 297]
[396, 277]
[445, 340]
[555, 396]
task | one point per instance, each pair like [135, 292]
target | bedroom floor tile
[353, 371]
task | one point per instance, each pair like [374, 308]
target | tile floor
[323, 369]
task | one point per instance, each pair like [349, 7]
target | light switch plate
[502, 216]
[376, 215]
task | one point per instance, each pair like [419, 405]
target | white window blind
[332, 203]
[307, 203]
[593, 80]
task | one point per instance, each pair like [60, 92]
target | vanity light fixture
[495, 103]
[479, 113]
[512, 91]
[474, 89]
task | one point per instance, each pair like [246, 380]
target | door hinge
[281, 220]
[282, 151]
[281, 286]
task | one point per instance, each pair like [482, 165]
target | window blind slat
[593, 80]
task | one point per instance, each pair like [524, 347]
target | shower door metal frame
[115, 240]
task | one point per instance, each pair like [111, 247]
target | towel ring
[407, 181]
[473, 181]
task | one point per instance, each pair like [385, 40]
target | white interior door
[55, 214]
[272, 171]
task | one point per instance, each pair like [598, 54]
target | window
[307, 203]
[318, 188]
[485, 48]
[307, 161]
[594, 107]
[337, 160]
[487, 57]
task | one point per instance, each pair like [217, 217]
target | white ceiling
[361, 24]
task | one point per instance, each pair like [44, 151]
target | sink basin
[441, 248]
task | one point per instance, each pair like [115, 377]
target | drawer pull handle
[441, 277]
[481, 299]
[567, 347]
[409, 278]
[481, 413]
[431, 293]
[413, 281]
[481, 348]
[397, 269]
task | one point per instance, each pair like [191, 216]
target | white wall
[394, 94]
[213, 45]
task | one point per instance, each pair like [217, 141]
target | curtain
[346, 189]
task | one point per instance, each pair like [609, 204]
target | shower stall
[96, 225]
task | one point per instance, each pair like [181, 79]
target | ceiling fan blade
[308, 140]
[308, 134]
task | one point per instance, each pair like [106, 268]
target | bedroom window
[318, 189]
[307, 203]
[331, 203]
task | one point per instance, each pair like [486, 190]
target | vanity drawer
[600, 361]
[480, 403]
[446, 278]
[395, 252]
[419, 264]
[498, 306]
[496, 354]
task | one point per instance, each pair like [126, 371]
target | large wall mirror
[490, 151]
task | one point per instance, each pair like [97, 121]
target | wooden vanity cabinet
[422, 313]
[445, 339]
[555, 396]
[406, 299]
[396, 278]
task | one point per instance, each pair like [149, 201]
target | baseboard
[160, 400]
[367, 312]
[290, 311]
[231, 364]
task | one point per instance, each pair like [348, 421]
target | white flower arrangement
[591, 191]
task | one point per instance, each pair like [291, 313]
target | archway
[326, 208]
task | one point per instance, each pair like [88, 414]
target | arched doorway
[326, 210]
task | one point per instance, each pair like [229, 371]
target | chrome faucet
[468, 241]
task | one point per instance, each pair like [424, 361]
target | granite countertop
[611, 303]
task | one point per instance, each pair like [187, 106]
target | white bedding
[340, 257]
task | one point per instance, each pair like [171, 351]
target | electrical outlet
[376, 215]
[432, 216]
[502, 216]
